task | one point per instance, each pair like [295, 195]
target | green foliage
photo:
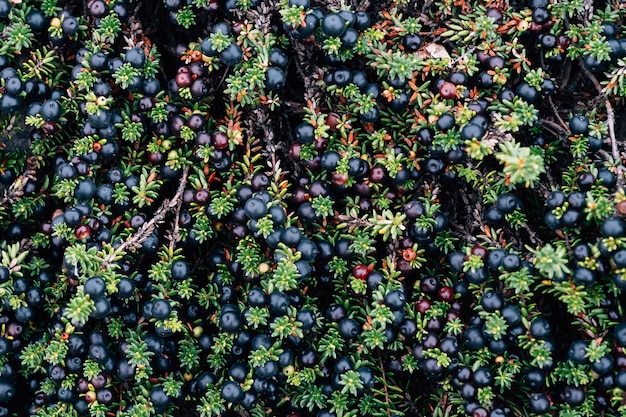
[211, 404]
[416, 124]
[79, 308]
[521, 166]
[551, 261]
[388, 224]
[186, 17]
[147, 190]
[125, 75]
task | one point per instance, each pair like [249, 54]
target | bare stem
[555, 127]
[174, 236]
[380, 361]
[16, 190]
[140, 236]
[610, 121]
[558, 116]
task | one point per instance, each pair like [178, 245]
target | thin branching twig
[610, 121]
[135, 240]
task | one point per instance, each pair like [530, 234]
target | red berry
[320, 144]
[49, 128]
[155, 158]
[83, 385]
[361, 271]
[478, 250]
[480, 412]
[183, 79]
[46, 228]
[423, 305]
[82, 232]
[202, 196]
[446, 294]
[294, 151]
[377, 174]
[408, 254]
[237, 28]
[332, 120]
[220, 140]
[308, 41]
[90, 396]
[447, 90]
[452, 315]
[340, 179]
[495, 14]
[563, 41]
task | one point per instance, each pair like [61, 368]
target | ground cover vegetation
[312, 208]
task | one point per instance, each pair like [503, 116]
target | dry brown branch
[610, 121]
[16, 190]
[558, 116]
[135, 240]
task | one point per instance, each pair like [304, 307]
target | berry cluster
[300, 208]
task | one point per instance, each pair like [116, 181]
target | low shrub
[296, 208]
